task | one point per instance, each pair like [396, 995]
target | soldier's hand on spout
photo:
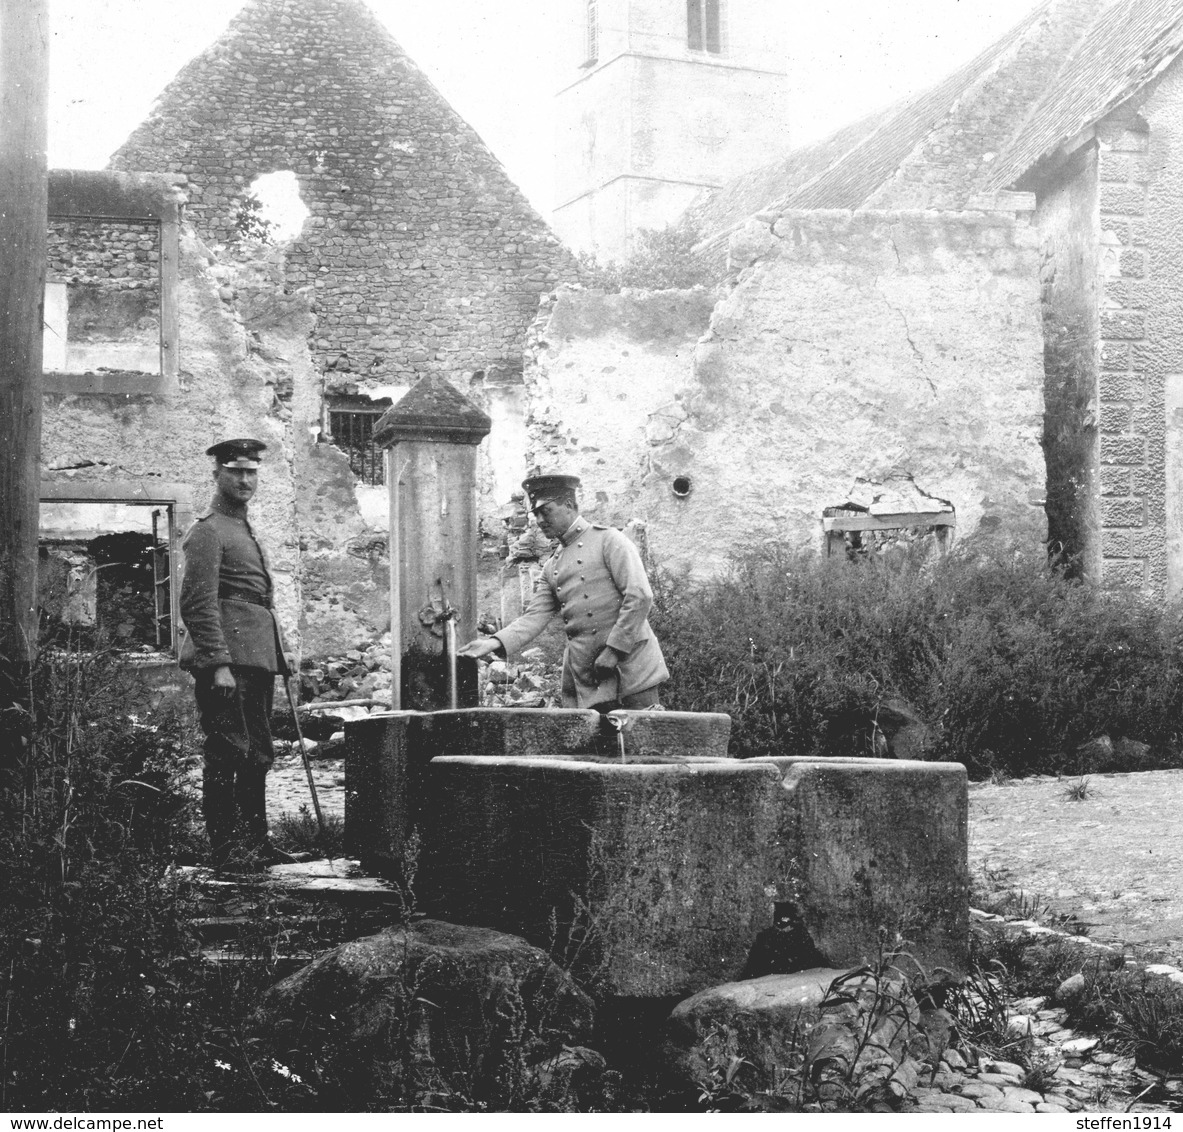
[224, 679]
[480, 648]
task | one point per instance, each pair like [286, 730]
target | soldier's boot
[219, 811]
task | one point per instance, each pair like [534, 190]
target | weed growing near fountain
[1010, 663]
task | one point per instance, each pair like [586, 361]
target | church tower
[658, 100]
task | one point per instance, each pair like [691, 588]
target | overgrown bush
[660, 259]
[108, 1003]
[1011, 663]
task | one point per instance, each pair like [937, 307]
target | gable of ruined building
[421, 252]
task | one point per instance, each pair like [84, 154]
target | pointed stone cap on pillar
[433, 409]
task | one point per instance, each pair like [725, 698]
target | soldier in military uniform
[233, 646]
[596, 582]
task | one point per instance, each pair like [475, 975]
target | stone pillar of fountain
[432, 435]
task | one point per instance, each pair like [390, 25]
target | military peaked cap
[548, 486]
[241, 453]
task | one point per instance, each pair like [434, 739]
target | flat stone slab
[785, 997]
[340, 880]
[764, 1021]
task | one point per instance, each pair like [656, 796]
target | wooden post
[24, 113]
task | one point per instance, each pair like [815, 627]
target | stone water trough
[632, 848]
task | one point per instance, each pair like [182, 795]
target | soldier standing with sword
[233, 646]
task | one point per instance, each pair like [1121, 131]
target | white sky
[491, 60]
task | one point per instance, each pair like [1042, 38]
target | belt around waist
[244, 595]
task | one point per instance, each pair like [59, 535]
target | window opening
[858, 536]
[703, 26]
[593, 32]
[103, 296]
[878, 519]
[352, 430]
[272, 212]
[106, 577]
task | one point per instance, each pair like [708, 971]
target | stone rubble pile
[362, 673]
[528, 684]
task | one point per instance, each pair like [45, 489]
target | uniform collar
[574, 530]
[218, 506]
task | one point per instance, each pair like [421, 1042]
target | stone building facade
[1079, 106]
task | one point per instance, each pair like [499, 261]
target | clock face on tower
[708, 125]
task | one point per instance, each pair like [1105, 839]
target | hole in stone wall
[682, 486]
[891, 518]
[272, 211]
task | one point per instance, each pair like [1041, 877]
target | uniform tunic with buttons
[228, 621]
[226, 597]
[596, 582]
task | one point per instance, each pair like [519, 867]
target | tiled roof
[847, 168]
[1131, 42]
[748, 193]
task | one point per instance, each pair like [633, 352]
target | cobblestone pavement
[1114, 859]
[287, 786]
[1076, 1072]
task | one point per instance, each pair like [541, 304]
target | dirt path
[1113, 859]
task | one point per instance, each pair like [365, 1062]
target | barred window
[353, 432]
[703, 26]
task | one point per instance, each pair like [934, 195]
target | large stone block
[402, 1012]
[653, 879]
[690, 733]
[384, 767]
[386, 757]
[524, 732]
[877, 844]
[664, 877]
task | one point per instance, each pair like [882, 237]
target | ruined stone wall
[607, 375]
[160, 435]
[1068, 224]
[420, 253]
[119, 254]
[852, 346]
[1141, 204]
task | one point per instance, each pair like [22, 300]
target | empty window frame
[856, 534]
[108, 567]
[352, 430]
[704, 26]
